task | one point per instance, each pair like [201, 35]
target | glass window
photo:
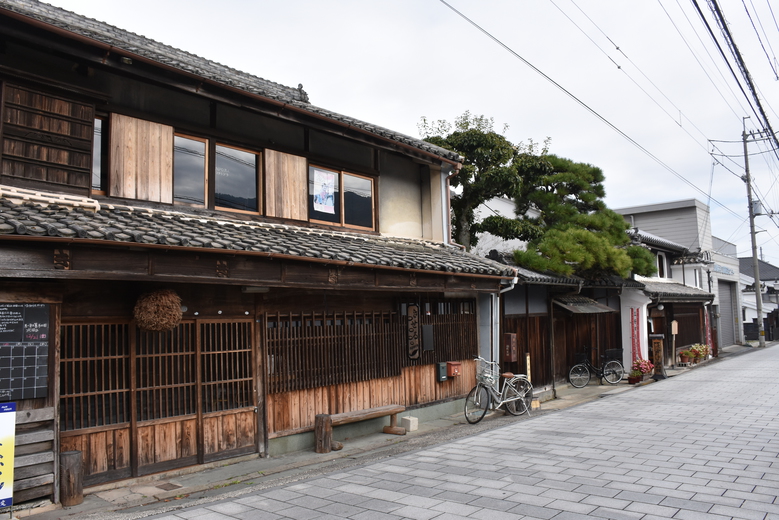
[99, 145]
[324, 195]
[189, 170]
[358, 201]
[330, 190]
[235, 179]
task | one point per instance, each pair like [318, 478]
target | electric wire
[621, 69]
[759, 39]
[724, 57]
[720, 18]
[695, 56]
[585, 106]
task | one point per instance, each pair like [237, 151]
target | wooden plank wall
[286, 186]
[101, 451]
[532, 338]
[46, 138]
[141, 159]
[293, 412]
[34, 464]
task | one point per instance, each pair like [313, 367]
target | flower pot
[633, 380]
[684, 359]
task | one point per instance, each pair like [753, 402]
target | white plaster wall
[634, 298]
[400, 190]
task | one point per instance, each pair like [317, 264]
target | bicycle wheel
[476, 404]
[613, 372]
[579, 376]
[521, 391]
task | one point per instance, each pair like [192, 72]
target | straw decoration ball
[158, 311]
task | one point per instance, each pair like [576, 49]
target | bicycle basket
[614, 354]
[487, 372]
[580, 357]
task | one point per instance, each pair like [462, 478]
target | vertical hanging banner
[635, 339]
[7, 443]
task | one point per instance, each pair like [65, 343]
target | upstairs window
[235, 179]
[189, 170]
[340, 198]
[99, 156]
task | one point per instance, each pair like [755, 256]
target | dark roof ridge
[29, 213]
[193, 64]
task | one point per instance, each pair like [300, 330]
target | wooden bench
[323, 424]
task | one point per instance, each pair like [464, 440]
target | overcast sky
[638, 88]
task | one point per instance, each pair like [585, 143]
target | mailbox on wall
[440, 371]
[453, 368]
[509, 347]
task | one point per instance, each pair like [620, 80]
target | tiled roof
[26, 213]
[654, 240]
[674, 291]
[187, 62]
[528, 276]
[767, 271]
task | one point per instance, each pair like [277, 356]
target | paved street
[702, 445]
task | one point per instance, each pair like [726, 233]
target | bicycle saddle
[507, 375]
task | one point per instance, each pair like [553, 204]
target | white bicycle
[515, 394]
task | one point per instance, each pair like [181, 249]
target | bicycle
[516, 394]
[612, 371]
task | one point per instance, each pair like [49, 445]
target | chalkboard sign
[24, 351]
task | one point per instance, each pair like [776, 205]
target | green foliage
[643, 260]
[579, 234]
[492, 167]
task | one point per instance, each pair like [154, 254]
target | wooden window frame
[206, 169]
[104, 144]
[341, 194]
[209, 174]
[258, 177]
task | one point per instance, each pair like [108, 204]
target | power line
[584, 105]
[759, 39]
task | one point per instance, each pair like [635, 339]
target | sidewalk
[189, 484]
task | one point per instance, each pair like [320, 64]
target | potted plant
[700, 351]
[684, 356]
[635, 376]
[643, 366]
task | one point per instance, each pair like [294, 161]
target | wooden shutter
[141, 159]
[286, 185]
[46, 138]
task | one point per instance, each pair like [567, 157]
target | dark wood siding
[46, 139]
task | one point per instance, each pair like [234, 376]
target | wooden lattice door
[137, 402]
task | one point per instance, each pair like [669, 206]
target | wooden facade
[123, 175]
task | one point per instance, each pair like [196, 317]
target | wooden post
[323, 431]
[71, 478]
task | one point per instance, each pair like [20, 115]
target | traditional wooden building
[194, 261]
[553, 319]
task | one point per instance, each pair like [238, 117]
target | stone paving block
[341, 509]
[573, 507]
[491, 503]
[695, 515]
[264, 503]
[416, 513]
[416, 501]
[615, 514]
[310, 502]
[491, 514]
[459, 488]
[373, 515]
[377, 504]
[534, 511]
[558, 484]
[298, 513]
[560, 494]
[645, 498]
[529, 499]
[229, 508]
[737, 512]
[460, 509]
[280, 494]
[348, 498]
[606, 502]
[652, 509]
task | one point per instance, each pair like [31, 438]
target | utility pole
[755, 264]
